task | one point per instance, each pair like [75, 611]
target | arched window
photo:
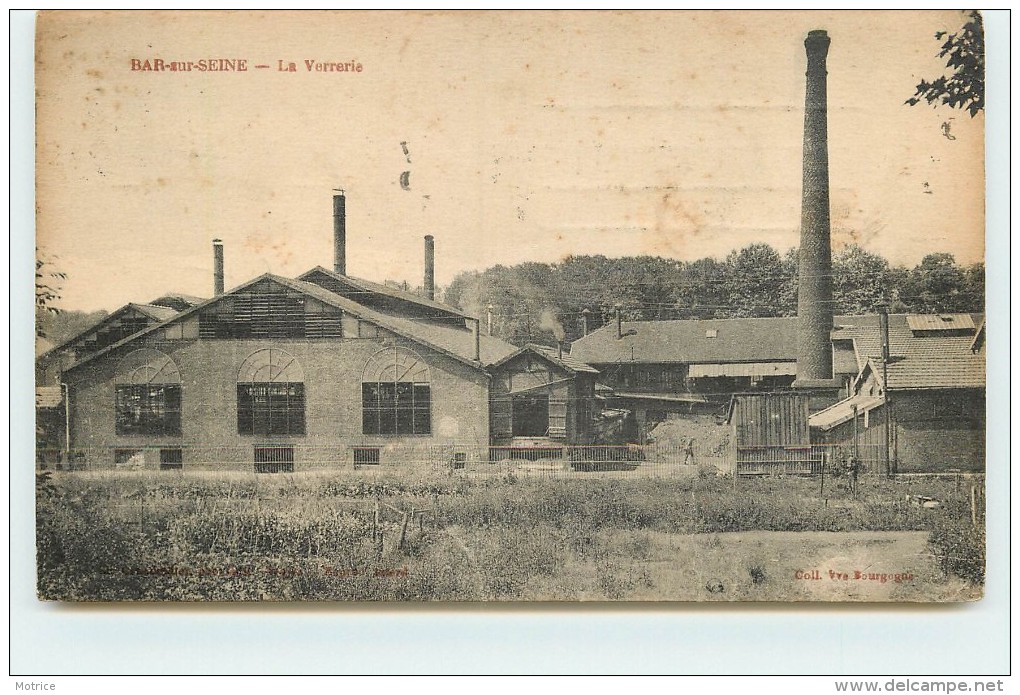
[396, 394]
[270, 394]
[147, 397]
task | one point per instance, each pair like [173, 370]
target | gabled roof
[453, 341]
[979, 338]
[153, 311]
[918, 359]
[565, 362]
[157, 314]
[178, 301]
[691, 341]
[922, 357]
[374, 295]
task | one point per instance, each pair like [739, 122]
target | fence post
[403, 530]
[375, 519]
[824, 456]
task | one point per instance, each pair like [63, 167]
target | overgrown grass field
[242, 537]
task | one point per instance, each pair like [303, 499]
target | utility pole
[883, 317]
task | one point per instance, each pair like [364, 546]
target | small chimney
[883, 322]
[478, 340]
[340, 234]
[584, 321]
[430, 267]
[217, 246]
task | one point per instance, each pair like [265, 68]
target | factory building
[925, 402]
[319, 372]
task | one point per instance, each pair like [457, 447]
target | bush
[960, 549]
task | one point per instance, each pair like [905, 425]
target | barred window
[366, 456]
[396, 395]
[270, 394]
[147, 395]
[274, 459]
[171, 459]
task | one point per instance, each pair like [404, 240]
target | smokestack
[217, 247]
[488, 319]
[584, 321]
[619, 321]
[430, 267]
[339, 234]
[814, 293]
[559, 349]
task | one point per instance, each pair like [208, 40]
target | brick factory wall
[333, 412]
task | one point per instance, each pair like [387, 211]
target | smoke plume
[548, 322]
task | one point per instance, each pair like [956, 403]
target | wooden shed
[771, 434]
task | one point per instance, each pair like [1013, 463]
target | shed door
[531, 416]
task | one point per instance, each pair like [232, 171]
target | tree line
[545, 302]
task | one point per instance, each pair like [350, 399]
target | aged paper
[287, 414]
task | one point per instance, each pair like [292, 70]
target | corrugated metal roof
[843, 411]
[940, 322]
[657, 396]
[751, 369]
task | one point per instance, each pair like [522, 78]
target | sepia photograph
[511, 307]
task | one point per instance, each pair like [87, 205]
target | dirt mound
[710, 439]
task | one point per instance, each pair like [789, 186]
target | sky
[528, 137]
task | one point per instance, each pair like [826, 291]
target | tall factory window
[147, 395]
[270, 394]
[145, 409]
[396, 394]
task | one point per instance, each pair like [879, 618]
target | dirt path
[797, 566]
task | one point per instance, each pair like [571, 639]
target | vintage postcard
[510, 306]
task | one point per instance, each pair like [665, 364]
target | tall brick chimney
[217, 246]
[339, 234]
[430, 267]
[814, 293]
